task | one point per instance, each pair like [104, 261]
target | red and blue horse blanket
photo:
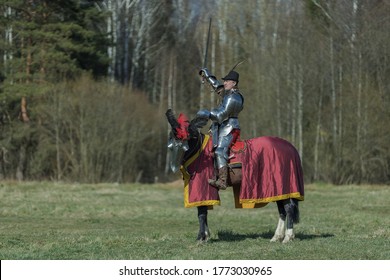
[271, 171]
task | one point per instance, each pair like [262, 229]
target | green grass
[133, 221]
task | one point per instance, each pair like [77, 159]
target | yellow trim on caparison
[187, 177]
[196, 155]
[295, 195]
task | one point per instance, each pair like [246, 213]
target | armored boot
[221, 183]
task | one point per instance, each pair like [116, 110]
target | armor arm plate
[210, 78]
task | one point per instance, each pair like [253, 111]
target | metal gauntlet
[203, 114]
[210, 78]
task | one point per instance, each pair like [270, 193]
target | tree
[45, 41]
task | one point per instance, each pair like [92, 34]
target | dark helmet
[232, 76]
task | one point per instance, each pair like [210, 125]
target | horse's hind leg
[291, 207]
[279, 232]
[204, 233]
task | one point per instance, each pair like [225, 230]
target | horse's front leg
[204, 233]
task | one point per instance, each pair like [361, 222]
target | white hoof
[289, 236]
[277, 238]
[287, 239]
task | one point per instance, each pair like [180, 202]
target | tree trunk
[21, 162]
[300, 111]
[334, 97]
[340, 116]
[162, 87]
[2, 162]
[24, 116]
[222, 36]
[126, 49]
[112, 37]
[8, 55]
[318, 134]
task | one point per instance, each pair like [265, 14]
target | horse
[261, 170]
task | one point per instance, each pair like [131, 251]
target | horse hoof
[202, 240]
[288, 239]
[277, 238]
[289, 236]
[203, 237]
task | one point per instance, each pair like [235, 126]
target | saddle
[238, 147]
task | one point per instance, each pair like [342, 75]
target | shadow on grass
[303, 236]
[230, 236]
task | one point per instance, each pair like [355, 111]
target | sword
[207, 49]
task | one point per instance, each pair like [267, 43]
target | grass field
[139, 222]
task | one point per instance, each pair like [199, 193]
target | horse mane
[182, 131]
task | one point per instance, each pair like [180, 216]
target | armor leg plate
[221, 153]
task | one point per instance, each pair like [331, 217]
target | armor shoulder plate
[231, 106]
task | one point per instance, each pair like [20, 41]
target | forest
[84, 85]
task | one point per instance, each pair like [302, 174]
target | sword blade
[207, 46]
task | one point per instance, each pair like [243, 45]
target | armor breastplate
[225, 115]
[231, 106]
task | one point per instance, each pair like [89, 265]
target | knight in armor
[225, 128]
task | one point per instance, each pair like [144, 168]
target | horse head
[184, 137]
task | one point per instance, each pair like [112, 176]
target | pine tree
[43, 42]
